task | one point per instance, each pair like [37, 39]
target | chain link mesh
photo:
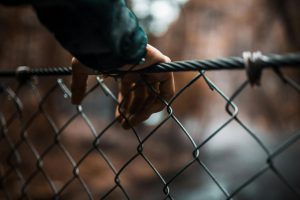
[51, 149]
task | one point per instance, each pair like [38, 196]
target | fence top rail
[253, 62]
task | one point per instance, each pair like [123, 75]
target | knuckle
[167, 59]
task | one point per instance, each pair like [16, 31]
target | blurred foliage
[157, 15]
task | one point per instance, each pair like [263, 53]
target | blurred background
[183, 30]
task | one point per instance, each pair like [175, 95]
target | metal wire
[231, 63]
[24, 168]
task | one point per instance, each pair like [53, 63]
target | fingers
[144, 101]
[138, 102]
[140, 95]
[153, 57]
[142, 98]
[156, 101]
[79, 81]
[155, 54]
[144, 110]
[167, 87]
[166, 90]
[125, 96]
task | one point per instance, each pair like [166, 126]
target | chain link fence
[51, 149]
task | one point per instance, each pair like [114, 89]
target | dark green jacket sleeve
[102, 34]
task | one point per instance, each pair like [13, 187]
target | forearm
[102, 34]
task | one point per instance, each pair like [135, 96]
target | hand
[137, 101]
